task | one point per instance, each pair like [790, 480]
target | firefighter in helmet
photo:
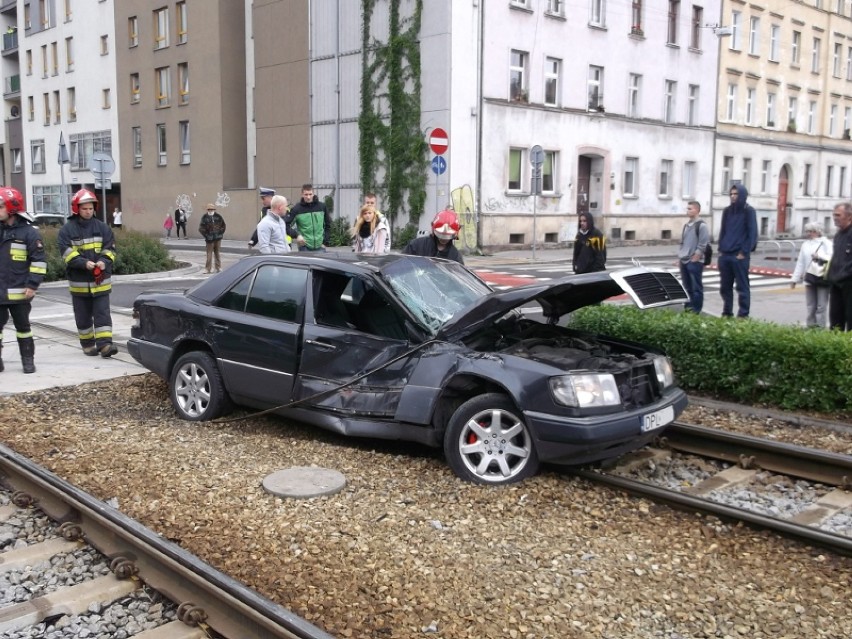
[22, 268]
[87, 246]
[445, 228]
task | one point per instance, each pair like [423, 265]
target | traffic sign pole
[439, 142]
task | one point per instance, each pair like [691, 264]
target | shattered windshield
[433, 291]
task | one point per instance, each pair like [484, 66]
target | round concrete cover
[303, 482]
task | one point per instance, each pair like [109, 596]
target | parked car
[418, 349]
[48, 219]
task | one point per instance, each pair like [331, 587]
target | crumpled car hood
[647, 288]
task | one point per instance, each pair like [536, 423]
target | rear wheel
[488, 443]
[196, 388]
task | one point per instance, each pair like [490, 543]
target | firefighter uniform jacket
[22, 261]
[81, 241]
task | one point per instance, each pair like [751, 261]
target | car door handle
[328, 347]
[219, 326]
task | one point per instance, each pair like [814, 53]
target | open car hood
[647, 288]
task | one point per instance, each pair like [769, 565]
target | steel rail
[752, 452]
[836, 543]
[212, 598]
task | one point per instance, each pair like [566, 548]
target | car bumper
[573, 441]
[152, 356]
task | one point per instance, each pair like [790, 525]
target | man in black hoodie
[737, 240]
[589, 246]
[309, 221]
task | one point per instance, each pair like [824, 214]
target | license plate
[658, 419]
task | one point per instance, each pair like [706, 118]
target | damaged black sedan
[417, 349]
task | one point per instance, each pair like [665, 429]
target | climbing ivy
[391, 143]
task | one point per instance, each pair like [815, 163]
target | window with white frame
[837, 60]
[774, 42]
[45, 8]
[839, 6]
[552, 67]
[750, 104]
[182, 25]
[792, 112]
[548, 171]
[765, 176]
[666, 178]
[49, 198]
[697, 25]
[631, 166]
[727, 169]
[849, 63]
[135, 88]
[17, 161]
[832, 121]
[57, 108]
[133, 31]
[770, 110]
[841, 186]
[46, 106]
[69, 14]
[137, 146]
[516, 157]
[796, 48]
[183, 131]
[37, 156]
[597, 12]
[44, 65]
[669, 95]
[634, 88]
[754, 35]
[689, 177]
[31, 108]
[71, 98]
[636, 17]
[747, 173]
[847, 121]
[731, 103]
[555, 7]
[161, 28]
[736, 31]
[815, 55]
[520, 3]
[164, 84]
[69, 54]
[811, 117]
[183, 83]
[518, 75]
[54, 58]
[81, 147]
[162, 158]
[671, 21]
[692, 108]
[829, 175]
[594, 86]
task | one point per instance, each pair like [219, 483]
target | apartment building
[785, 111]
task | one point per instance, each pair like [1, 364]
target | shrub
[404, 235]
[339, 235]
[744, 361]
[135, 253]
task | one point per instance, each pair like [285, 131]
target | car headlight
[665, 374]
[584, 390]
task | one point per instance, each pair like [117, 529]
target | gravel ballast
[408, 550]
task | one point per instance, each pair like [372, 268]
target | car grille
[656, 288]
[638, 386]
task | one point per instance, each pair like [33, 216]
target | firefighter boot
[27, 348]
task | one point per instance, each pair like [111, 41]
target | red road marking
[504, 279]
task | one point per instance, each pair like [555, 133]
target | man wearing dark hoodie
[737, 240]
[589, 246]
[309, 221]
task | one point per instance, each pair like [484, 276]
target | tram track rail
[746, 452]
[207, 598]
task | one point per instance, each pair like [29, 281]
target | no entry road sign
[439, 141]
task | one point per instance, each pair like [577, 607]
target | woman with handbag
[811, 267]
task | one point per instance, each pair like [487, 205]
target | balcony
[12, 86]
[10, 42]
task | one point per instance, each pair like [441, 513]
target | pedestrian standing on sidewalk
[180, 221]
[589, 246]
[737, 241]
[116, 218]
[694, 240]
[169, 224]
[266, 196]
[212, 229]
[309, 221]
[840, 270]
[813, 257]
[87, 246]
[22, 269]
[272, 237]
[371, 233]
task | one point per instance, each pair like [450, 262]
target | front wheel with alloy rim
[196, 388]
[488, 443]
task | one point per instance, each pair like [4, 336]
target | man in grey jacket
[694, 240]
[272, 238]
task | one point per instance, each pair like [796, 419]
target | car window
[353, 302]
[235, 299]
[434, 291]
[278, 292]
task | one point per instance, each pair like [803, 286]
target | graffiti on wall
[222, 200]
[183, 201]
[462, 201]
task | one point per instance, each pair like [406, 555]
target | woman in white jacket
[815, 252]
[371, 233]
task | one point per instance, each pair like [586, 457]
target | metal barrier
[786, 250]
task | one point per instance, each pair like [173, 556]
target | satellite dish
[15, 111]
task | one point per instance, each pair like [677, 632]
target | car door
[353, 336]
[256, 330]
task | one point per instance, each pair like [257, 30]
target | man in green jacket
[309, 221]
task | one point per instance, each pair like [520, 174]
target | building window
[594, 85]
[636, 18]
[44, 65]
[634, 87]
[841, 188]
[81, 147]
[17, 162]
[673, 16]
[163, 82]
[811, 117]
[796, 48]
[669, 101]
[548, 170]
[697, 23]
[597, 13]
[137, 146]
[48, 199]
[69, 14]
[133, 31]
[815, 56]
[135, 89]
[689, 175]
[555, 7]
[180, 12]
[765, 174]
[792, 108]
[71, 94]
[518, 76]
[184, 142]
[806, 181]
[774, 42]
[162, 158]
[107, 99]
[666, 178]
[161, 28]
[750, 98]
[516, 157]
[832, 121]
[45, 8]
[31, 108]
[54, 58]
[731, 108]
[770, 110]
[829, 174]
[37, 156]
[104, 45]
[736, 31]
[69, 54]
[849, 63]
[631, 166]
[847, 116]
[727, 169]
[57, 108]
[692, 109]
[754, 35]
[551, 81]
[29, 61]
[46, 105]
[837, 60]
[183, 83]
[747, 173]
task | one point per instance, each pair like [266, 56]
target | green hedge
[739, 360]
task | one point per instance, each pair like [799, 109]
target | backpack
[708, 252]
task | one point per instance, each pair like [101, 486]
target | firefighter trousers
[94, 321]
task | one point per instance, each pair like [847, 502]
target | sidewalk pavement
[60, 361]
